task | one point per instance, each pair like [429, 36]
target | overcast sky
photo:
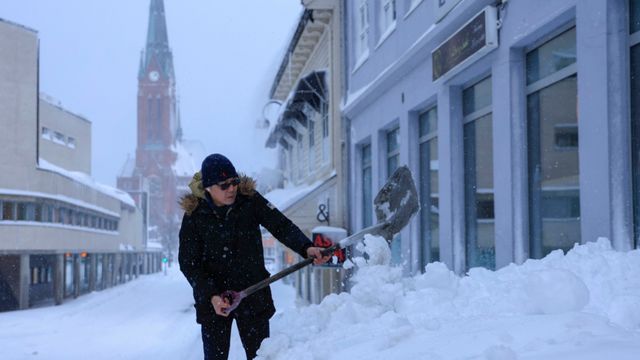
[226, 54]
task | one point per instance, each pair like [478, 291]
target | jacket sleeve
[281, 227]
[191, 264]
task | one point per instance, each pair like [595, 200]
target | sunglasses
[225, 185]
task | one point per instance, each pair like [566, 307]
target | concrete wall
[75, 154]
[18, 97]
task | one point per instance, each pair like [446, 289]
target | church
[164, 162]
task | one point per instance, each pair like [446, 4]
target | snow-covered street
[148, 318]
[583, 305]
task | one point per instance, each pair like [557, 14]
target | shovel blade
[396, 202]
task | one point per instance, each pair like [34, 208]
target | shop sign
[473, 40]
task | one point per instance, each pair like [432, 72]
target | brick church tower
[153, 178]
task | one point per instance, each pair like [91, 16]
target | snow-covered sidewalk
[583, 305]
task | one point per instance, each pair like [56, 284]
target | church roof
[157, 46]
[128, 167]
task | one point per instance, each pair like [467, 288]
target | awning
[309, 93]
[312, 90]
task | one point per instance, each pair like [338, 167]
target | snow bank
[539, 308]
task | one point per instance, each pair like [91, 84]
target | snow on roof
[284, 198]
[58, 104]
[190, 154]
[154, 245]
[86, 180]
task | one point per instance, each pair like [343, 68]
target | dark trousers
[216, 336]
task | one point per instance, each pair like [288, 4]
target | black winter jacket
[221, 252]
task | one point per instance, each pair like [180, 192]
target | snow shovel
[395, 204]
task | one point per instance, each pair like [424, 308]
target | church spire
[157, 46]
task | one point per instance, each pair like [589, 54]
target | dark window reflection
[478, 176]
[554, 192]
[367, 199]
[635, 125]
[429, 212]
[634, 16]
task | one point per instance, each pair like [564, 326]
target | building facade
[518, 119]
[308, 134]
[61, 233]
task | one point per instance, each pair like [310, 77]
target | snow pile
[585, 304]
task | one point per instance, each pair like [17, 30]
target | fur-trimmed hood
[189, 202]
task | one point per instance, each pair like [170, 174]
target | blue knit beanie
[216, 168]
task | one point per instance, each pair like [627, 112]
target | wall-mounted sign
[443, 8]
[472, 41]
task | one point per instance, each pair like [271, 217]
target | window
[69, 284]
[552, 131]
[311, 135]
[387, 18]
[361, 31]
[59, 138]
[149, 124]
[565, 136]
[429, 213]
[158, 120]
[34, 275]
[71, 142]
[393, 161]
[325, 132]
[478, 176]
[38, 212]
[634, 29]
[8, 210]
[393, 150]
[46, 133]
[367, 197]
[634, 16]
[22, 211]
[300, 156]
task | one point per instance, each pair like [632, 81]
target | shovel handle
[293, 268]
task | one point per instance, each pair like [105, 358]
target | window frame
[361, 32]
[533, 88]
[426, 255]
[467, 119]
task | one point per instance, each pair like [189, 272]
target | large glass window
[634, 16]
[552, 131]
[367, 197]
[393, 161]
[429, 213]
[634, 29]
[69, 283]
[84, 272]
[478, 176]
